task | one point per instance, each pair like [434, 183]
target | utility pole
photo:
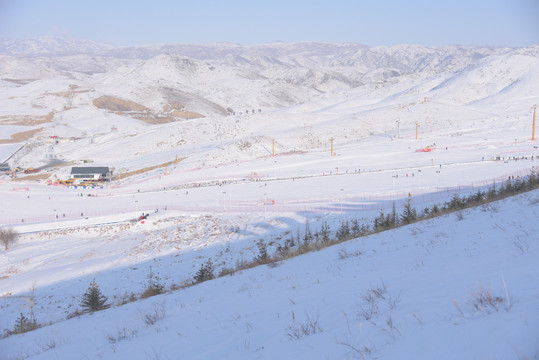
[416, 127]
[398, 128]
[273, 150]
[533, 126]
[332, 146]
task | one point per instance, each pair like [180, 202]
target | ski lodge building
[96, 173]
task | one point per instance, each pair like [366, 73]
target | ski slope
[318, 151]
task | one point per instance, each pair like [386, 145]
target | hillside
[443, 288]
[226, 147]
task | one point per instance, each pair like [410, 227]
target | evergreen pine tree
[491, 194]
[456, 203]
[308, 238]
[393, 217]
[155, 287]
[23, 324]
[355, 229]
[409, 214]
[379, 221]
[508, 186]
[263, 256]
[93, 299]
[325, 233]
[205, 272]
[343, 233]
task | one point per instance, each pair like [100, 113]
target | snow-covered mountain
[230, 76]
[147, 85]
[49, 46]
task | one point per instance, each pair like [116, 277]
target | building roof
[90, 170]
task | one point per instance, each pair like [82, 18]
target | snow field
[423, 277]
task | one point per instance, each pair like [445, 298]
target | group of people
[143, 216]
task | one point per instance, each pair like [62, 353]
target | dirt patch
[116, 104]
[67, 93]
[26, 120]
[173, 111]
[155, 119]
[20, 81]
[146, 169]
[33, 177]
[173, 106]
[20, 136]
[186, 114]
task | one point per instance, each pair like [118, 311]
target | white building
[99, 173]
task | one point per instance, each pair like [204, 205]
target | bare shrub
[154, 287]
[393, 301]
[122, 335]
[391, 327]
[483, 300]
[344, 254]
[126, 298]
[379, 291]
[157, 314]
[226, 271]
[361, 350]
[368, 311]
[522, 245]
[490, 207]
[306, 328]
[7, 237]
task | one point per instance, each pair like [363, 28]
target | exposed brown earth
[142, 113]
[155, 119]
[20, 136]
[26, 120]
[42, 176]
[116, 104]
[186, 114]
[20, 81]
[141, 171]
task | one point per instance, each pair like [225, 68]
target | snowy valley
[235, 150]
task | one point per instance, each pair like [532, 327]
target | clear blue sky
[370, 22]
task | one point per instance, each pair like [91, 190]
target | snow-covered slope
[443, 288]
[225, 145]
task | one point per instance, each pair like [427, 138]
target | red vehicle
[31, 170]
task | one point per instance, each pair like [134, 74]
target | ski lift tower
[534, 107]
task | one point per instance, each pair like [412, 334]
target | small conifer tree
[355, 229]
[325, 233]
[343, 233]
[93, 299]
[23, 324]
[263, 256]
[155, 287]
[308, 238]
[205, 272]
[379, 221]
[409, 214]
